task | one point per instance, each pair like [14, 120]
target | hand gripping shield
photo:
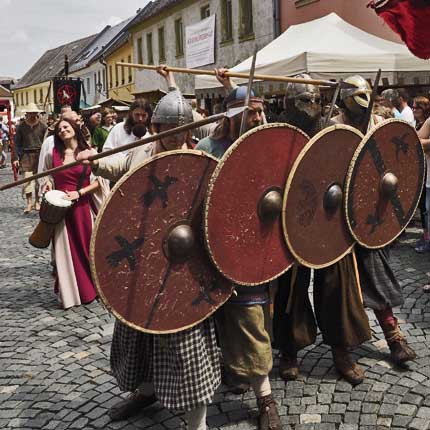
[384, 183]
[313, 219]
[243, 228]
[148, 258]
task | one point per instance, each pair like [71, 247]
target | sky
[30, 27]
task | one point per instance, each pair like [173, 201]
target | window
[205, 12]
[179, 34]
[16, 99]
[99, 82]
[22, 98]
[110, 77]
[246, 25]
[116, 75]
[130, 74]
[122, 73]
[41, 95]
[104, 79]
[95, 82]
[88, 85]
[139, 49]
[226, 20]
[161, 48]
[149, 48]
[26, 97]
[35, 96]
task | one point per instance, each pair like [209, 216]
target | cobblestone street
[54, 364]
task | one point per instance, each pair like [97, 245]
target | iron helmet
[172, 109]
[306, 97]
[355, 99]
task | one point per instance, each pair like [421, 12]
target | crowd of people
[182, 370]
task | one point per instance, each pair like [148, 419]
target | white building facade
[240, 26]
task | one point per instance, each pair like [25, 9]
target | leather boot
[269, 417]
[130, 406]
[400, 351]
[288, 367]
[347, 368]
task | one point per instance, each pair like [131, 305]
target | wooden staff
[162, 135]
[273, 78]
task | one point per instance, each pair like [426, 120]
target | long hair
[59, 144]
[142, 104]
[424, 104]
[105, 112]
[222, 130]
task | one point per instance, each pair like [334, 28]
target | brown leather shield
[243, 227]
[313, 219]
[384, 183]
[148, 258]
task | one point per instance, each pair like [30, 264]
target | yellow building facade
[120, 80]
[37, 94]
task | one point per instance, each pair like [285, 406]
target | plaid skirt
[379, 285]
[184, 367]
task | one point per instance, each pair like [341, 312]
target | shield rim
[211, 185]
[302, 154]
[366, 138]
[99, 290]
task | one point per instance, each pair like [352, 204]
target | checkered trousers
[183, 366]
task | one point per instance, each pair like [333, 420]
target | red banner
[410, 20]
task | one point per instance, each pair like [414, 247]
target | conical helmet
[172, 109]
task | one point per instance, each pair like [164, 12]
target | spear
[162, 135]
[274, 78]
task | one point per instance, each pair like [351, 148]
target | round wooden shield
[243, 227]
[313, 219]
[384, 183]
[148, 257]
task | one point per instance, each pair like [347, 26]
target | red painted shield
[375, 217]
[245, 248]
[136, 276]
[315, 230]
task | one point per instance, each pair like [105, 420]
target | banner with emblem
[66, 92]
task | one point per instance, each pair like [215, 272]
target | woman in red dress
[72, 236]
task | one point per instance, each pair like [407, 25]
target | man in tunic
[381, 290]
[245, 343]
[28, 141]
[181, 370]
[139, 116]
[343, 323]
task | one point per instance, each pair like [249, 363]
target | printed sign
[200, 43]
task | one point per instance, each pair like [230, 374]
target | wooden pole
[259, 77]
[181, 129]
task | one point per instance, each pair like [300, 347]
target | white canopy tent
[327, 48]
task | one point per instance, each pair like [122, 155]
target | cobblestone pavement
[54, 364]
